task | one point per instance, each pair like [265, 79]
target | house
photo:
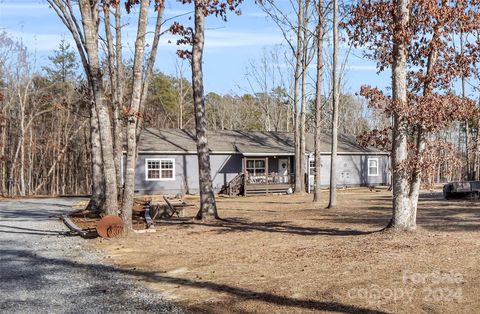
[248, 162]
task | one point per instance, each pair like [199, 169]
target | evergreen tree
[64, 64]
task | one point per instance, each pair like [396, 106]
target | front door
[283, 170]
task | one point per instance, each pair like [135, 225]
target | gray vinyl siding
[224, 168]
[352, 170]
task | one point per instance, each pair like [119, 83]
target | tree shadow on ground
[10, 259]
[43, 212]
[461, 214]
[29, 231]
[434, 214]
[246, 225]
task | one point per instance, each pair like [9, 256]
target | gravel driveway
[44, 271]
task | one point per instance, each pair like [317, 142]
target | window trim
[377, 168]
[160, 169]
[255, 167]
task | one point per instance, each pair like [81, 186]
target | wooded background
[44, 113]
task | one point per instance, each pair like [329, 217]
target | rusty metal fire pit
[110, 226]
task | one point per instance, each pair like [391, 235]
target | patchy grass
[281, 254]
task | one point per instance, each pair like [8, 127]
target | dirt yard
[280, 254]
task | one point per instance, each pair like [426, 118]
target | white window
[159, 169]
[256, 167]
[372, 167]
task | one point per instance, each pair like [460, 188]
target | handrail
[271, 178]
[236, 183]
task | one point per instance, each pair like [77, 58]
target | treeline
[45, 146]
[170, 105]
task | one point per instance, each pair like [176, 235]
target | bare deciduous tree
[318, 98]
[86, 36]
[335, 94]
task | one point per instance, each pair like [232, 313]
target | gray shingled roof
[246, 142]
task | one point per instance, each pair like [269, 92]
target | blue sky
[229, 48]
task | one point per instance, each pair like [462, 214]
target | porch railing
[234, 187]
[270, 178]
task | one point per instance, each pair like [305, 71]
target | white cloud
[41, 42]
[216, 39]
[26, 5]
[224, 39]
[360, 67]
[24, 9]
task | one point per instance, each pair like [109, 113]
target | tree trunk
[477, 152]
[151, 63]
[98, 184]
[117, 114]
[416, 179]
[128, 194]
[115, 75]
[21, 173]
[318, 103]
[333, 157]
[90, 21]
[296, 84]
[181, 95]
[3, 171]
[401, 205]
[421, 141]
[467, 130]
[208, 207]
[305, 62]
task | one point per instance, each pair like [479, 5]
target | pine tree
[64, 64]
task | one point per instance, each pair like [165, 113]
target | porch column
[266, 173]
[244, 166]
[266, 169]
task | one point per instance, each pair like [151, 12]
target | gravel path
[44, 271]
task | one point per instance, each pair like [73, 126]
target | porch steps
[235, 186]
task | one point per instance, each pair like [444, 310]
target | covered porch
[264, 175]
